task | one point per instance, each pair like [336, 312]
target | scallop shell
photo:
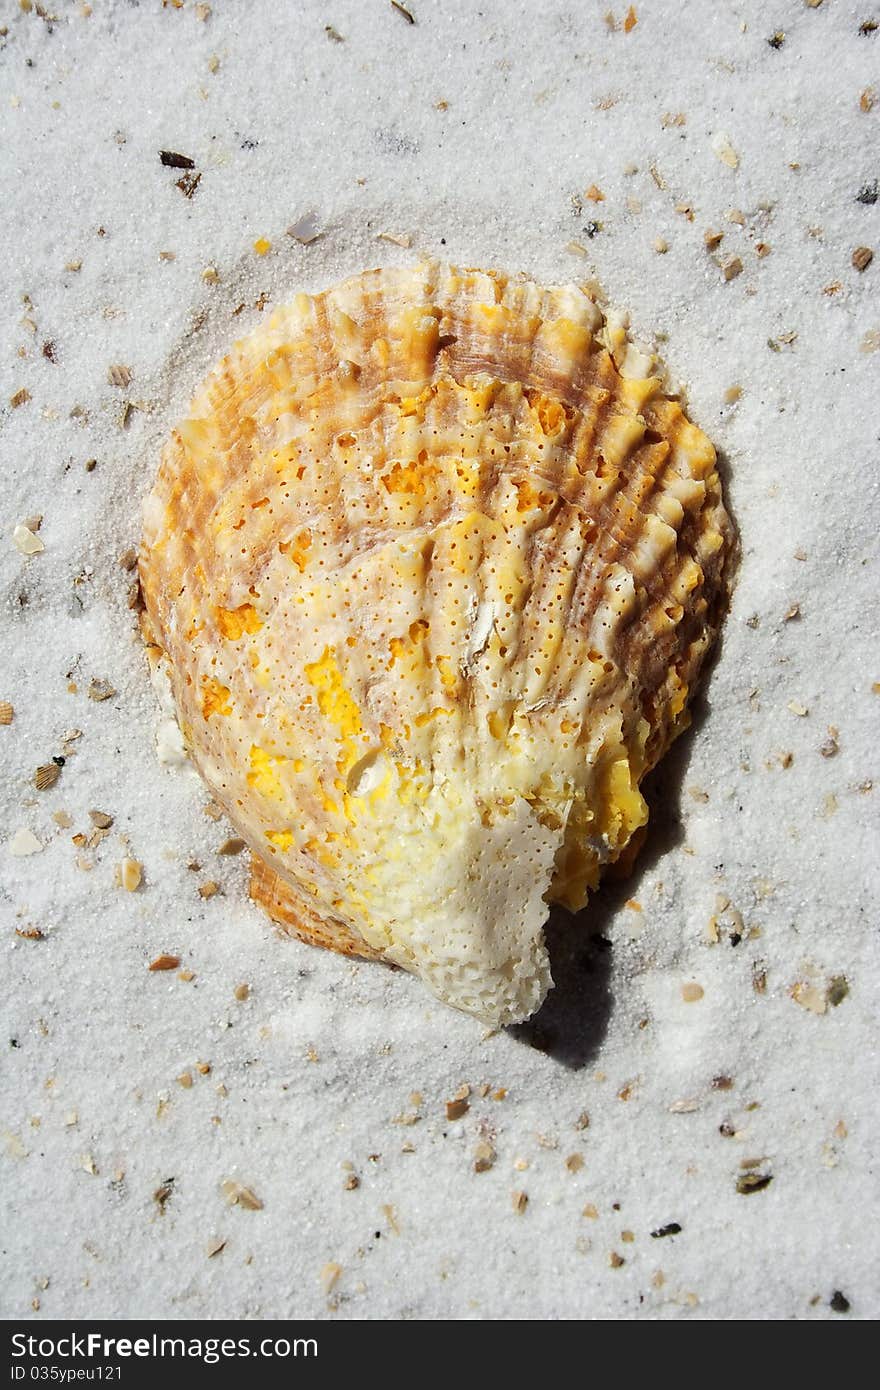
[432, 568]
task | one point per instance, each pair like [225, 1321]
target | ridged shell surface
[432, 567]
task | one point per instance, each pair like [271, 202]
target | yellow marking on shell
[529, 497]
[414, 406]
[622, 809]
[569, 339]
[425, 718]
[635, 392]
[325, 856]
[696, 449]
[381, 791]
[263, 673]
[235, 622]
[621, 435]
[448, 673]
[298, 548]
[498, 721]
[609, 813]
[690, 576]
[264, 774]
[412, 786]
[338, 706]
[637, 759]
[467, 537]
[282, 839]
[334, 700]
[551, 414]
[493, 316]
[410, 644]
[216, 698]
[477, 399]
[712, 543]
[414, 478]
[679, 696]
[467, 472]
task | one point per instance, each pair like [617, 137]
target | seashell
[432, 566]
[46, 776]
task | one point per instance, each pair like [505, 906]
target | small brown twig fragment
[232, 846]
[188, 184]
[164, 963]
[171, 160]
[753, 1182]
[100, 690]
[130, 876]
[237, 1195]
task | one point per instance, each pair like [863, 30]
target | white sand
[312, 1072]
